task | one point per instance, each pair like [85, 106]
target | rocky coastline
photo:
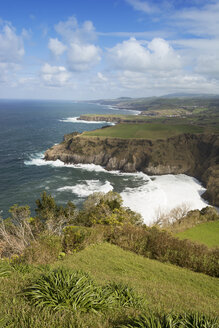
[196, 155]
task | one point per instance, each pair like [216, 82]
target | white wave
[163, 194]
[156, 194]
[134, 112]
[88, 187]
[38, 160]
[76, 120]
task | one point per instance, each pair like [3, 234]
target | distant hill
[189, 95]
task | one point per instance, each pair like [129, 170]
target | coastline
[190, 154]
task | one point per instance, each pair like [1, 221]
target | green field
[145, 131]
[205, 233]
[164, 286]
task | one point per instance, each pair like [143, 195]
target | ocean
[29, 128]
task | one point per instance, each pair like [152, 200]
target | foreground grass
[147, 131]
[165, 287]
[205, 233]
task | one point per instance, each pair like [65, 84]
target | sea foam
[76, 120]
[149, 196]
[88, 187]
[162, 194]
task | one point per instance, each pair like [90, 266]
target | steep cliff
[193, 154]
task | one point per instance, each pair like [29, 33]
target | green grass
[205, 233]
[146, 131]
[165, 287]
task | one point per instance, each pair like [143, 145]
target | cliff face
[192, 154]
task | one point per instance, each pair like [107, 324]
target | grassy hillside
[205, 233]
[147, 131]
[164, 286]
[161, 287]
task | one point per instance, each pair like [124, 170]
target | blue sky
[89, 49]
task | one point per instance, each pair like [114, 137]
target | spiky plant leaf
[61, 289]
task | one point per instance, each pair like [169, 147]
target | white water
[163, 194]
[88, 187]
[76, 120]
[149, 196]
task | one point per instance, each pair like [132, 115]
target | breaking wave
[88, 187]
[148, 196]
[76, 120]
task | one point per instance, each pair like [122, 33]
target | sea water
[29, 128]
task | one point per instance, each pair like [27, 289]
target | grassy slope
[165, 286]
[206, 233]
[148, 131]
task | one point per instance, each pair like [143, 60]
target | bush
[74, 237]
[161, 245]
[53, 216]
[44, 250]
[180, 218]
[16, 232]
[106, 209]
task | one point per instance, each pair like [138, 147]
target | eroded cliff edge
[194, 154]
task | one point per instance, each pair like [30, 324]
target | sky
[91, 49]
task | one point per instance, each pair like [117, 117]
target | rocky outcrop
[193, 154]
[113, 118]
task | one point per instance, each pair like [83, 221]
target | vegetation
[205, 233]
[76, 291]
[180, 219]
[160, 288]
[60, 268]
[151, 131]
[170, 321]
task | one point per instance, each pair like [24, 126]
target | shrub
[180, 218]
[44, 250]
[106, 209]
[161, 245]
[74, 237]
[54, 217]
[16, 232]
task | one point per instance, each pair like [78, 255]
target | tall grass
[76, 291]
[5, 269]
[123, 295]
[193, 320]
[62, 289]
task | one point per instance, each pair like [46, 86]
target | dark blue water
[28, 128]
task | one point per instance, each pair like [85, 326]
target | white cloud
[133, 55]
[82, 57]
[81, 53]
[143, 6]
[55, 76]
[200, 54]
[102, 77]
[56, 47]
[71, 31]
[11, 52]
[202, 21]
[11, 45]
